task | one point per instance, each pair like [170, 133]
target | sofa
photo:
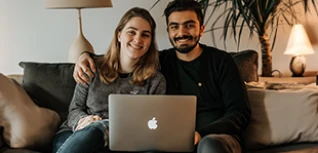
[33, 105]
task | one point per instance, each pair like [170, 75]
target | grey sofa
[51, 85]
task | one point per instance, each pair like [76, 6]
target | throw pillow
[247, 62]
[25, 125]
[50, 85]
[282, 117]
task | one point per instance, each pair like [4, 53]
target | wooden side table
[309, 77]
[292, 80]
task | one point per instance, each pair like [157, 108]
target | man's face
[184, 30]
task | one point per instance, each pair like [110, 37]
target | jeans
[90, 139]
[219, 143]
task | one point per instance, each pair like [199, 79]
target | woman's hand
[84, 67]
[197, 138]
[83, 122]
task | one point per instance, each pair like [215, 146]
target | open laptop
[152, 122]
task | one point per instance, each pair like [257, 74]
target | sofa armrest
[279, 117]
[16, 77]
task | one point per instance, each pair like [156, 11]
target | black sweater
[223, 106]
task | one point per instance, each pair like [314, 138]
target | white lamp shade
[61, 4]
[298, 43]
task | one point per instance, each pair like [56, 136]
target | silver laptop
[152, 123]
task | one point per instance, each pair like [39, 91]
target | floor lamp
[81, 43]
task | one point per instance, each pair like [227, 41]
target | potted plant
[256, 15]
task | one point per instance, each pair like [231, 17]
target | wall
[280, 61]
[30, 32]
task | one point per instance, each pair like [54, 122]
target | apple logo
[152, 124]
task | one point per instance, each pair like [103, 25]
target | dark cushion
[247, 62]
[50, 85]
[1, 139]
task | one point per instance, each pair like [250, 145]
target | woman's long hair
[148, 63]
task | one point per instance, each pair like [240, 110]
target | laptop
[164, 123]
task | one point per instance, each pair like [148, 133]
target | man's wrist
[92, 55]
[85, 52]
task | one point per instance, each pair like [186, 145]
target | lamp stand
[80, 44]
[298, 65]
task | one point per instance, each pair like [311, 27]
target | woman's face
[135, 38]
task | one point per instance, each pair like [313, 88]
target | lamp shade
[64, 4]
[298, 43]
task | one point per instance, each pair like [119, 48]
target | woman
[129, 67]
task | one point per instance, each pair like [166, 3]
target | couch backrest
[247, 62]
[50, 85]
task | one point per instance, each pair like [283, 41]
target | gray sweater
[92, 98]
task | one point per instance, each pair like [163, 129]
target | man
[191, 68]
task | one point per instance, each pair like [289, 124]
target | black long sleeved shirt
[223, 105]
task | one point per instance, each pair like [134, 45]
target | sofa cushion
[282, 117]
[50, 85]
[25, 124]
[247, 62]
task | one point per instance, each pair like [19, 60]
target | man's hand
[84, 65]
[197, 138]
[83, 122]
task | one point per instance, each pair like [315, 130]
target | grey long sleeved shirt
[92, 98]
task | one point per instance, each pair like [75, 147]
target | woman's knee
[89, 132]
[59, 139]
[88, 139]
[98, 125]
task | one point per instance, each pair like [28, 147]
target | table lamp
[81, 43]
[298, 46]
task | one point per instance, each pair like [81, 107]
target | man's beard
[186, 48]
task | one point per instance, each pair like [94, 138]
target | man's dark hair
[184, 5]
